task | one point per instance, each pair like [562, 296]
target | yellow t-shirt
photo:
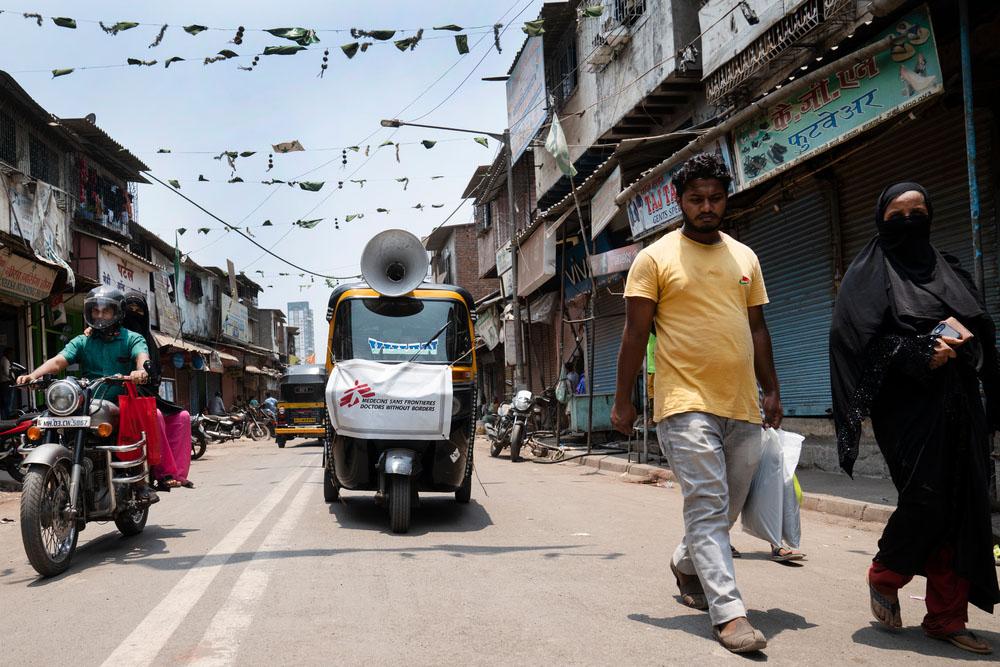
[704, 350]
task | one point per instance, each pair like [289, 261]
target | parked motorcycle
[234, 426]
[509, 426]
[12, 443]
[72, 477]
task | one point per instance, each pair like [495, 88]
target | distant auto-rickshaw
[301, 410]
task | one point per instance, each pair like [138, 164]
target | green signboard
[833, 110]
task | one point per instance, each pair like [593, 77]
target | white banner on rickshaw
[407, 401]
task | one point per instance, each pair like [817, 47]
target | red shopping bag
[137, 415]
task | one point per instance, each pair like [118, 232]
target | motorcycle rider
[110, 350]
[270, 404]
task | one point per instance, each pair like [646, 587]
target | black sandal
[885, 610]
[692, 594]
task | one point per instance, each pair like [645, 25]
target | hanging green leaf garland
[428, 144]
[381, 35]
[36, 17]
[301, 36]
[136, 61]
[308, 224]
[172, 59]
[282, 50]
[61, 72]
[409, 43]
[64, 22]
[288, 147]
[118, 27]
[159, 37]
[350, 50]
[450, 26]
[311, 186]
[195, 29]
[534, 28]
[462, 44]
[482, 141]
[405, 181]
[224, 54]
[174, 182]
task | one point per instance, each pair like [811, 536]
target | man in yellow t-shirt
[705, 292]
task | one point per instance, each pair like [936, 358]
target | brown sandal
[692, 594]
[965, 640]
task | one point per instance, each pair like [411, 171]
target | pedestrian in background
[706, 294]
[6, 383]
[910, 343]
[216, 406]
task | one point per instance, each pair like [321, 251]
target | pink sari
[175, 447]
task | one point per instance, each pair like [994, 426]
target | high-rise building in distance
[301, 315]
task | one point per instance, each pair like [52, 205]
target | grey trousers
[714, 459]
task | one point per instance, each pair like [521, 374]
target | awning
[251, 369]
[166, 340]
[228, 358]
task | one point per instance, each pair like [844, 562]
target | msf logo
[353, 396]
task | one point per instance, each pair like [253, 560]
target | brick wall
[466, 258]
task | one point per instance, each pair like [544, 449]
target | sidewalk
[861, 498]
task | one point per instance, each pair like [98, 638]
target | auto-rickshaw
[301, 409]
[402, 388]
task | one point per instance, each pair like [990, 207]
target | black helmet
[104, 297]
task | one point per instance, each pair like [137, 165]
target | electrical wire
[247, 237]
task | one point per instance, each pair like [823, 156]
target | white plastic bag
[762, 512]
[771, 511]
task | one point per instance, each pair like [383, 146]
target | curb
[816, 502]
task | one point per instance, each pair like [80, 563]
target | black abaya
[930, 425]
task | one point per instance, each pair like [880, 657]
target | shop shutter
[609, 310]
[931, 151]
[795, 252]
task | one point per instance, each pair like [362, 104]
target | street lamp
[519, 382]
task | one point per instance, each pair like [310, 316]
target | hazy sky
[191, 107]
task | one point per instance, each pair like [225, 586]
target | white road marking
[221, 641]
[149, 637]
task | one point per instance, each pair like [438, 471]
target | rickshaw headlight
[63, 398]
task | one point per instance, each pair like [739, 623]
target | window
[8, 140]
[484, 216]
[42, 161]
[192, 288]
[627, 12]
[562, 70]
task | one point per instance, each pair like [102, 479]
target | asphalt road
[557, 564]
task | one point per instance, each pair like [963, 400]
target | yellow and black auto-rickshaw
[301, 410]
[402, 388]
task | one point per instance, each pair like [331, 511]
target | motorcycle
[234, 426]
[508, 427]
[72, 476]
[12, 443]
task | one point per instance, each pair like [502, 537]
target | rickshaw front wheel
[464, 492]
[331, 490]
[399, 503]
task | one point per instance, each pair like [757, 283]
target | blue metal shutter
[794, 247]
[931, 151]
[609, 311]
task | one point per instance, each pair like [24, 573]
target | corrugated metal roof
[97, 143]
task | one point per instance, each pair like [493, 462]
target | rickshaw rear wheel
[331, 490]
[464, 492]
[400, 502]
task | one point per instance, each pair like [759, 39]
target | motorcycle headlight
[63, 398]
[522, 402]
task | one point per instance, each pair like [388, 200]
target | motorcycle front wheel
[48, 534]
[516, 437]
[257, 432]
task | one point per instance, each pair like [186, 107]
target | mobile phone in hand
[946, 330]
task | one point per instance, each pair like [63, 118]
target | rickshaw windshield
[396, 330]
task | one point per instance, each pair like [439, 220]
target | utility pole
[519, 382]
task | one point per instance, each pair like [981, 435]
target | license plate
[303, 420]
[63, 422]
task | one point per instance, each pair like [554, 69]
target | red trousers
[947, 593]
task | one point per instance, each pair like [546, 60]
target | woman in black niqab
[930, 423]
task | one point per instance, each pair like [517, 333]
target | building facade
[300, 315]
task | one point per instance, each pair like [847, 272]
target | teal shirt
[98, 357]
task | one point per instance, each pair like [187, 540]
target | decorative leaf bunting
[534, 28]
[235, 179]
[173, 59]
[181, 230]
[61, 72]
[224, 54]
[136, 61]
[300, 36]
[288, 147]
[381, 35]
[308, 224]
[204, 230]
[174, 183]
[350, 49]
[194, 29]
[159, 37]
[592, 11]
[311, 186]
[482, 141]
[462, 43]
[163, 150]
[354, 216]
[409, 43]
[37, 17]
[63, 22]
[282, 50]
[267, 223]
[118, 27]
[405, 181]
[450, 26]
[202, 179]
[428, 144]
